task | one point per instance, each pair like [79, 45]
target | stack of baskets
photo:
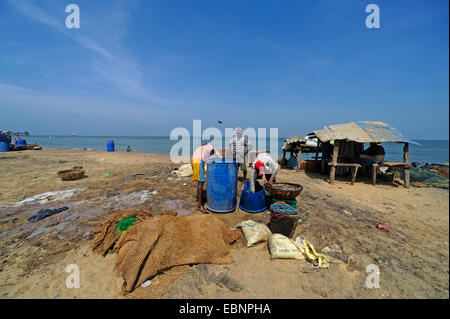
[284, 215]
[284, 191]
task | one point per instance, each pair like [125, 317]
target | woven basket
[284, 190]
[285, 225]
[71, 174]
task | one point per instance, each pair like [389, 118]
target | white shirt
[270, 166]
[238, 145]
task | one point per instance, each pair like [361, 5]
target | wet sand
[413, 257]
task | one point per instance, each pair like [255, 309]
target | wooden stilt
[406, 160]
[334, 161]
[355, 171]
[282, 165]
[299, 157]
[322, 160]
[316, 160]
[374, 174]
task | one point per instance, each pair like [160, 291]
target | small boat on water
[73, 134]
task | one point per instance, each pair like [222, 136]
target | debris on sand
[310, 253]
[383, 226]
[184, 170]
[43, 213]
[148, 174]
[45, 197]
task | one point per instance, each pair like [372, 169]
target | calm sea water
[430, 151]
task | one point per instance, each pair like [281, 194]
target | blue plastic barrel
[221, 185]
[21, 142]
[4, 146]
[5, 138]
[253, 202]
[292, 163]
[110, 146]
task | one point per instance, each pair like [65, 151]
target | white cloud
[111, 62]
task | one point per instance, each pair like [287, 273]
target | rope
[277, 216]
[283, 208]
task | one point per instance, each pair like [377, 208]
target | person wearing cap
[199, 158]
[263, 165]
[240, 146]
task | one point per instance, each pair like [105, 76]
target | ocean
[430, 151]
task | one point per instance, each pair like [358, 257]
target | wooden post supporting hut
[404, 165]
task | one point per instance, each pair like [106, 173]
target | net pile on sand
[107, 234]
[162, 243]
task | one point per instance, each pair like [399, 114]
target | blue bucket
[110, 146]
[4, 146]
[221, 185]
[21, 142]
[253, 202]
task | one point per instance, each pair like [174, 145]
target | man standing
[199, 158]
[263, 165]
[240, 146]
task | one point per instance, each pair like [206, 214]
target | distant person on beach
[128, 148]
[199, 158]
[240, 146]
[263, 165]
[374, 149]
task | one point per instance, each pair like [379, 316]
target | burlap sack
[283, 247]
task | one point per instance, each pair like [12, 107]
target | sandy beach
[413, 257]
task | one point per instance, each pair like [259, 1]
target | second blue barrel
[110, 146]
[221, 185]
[4, 146]
[5, 138]
[21, 142]
[5, 142]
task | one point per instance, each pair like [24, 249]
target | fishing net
[425, 177]
[116, 224]
[283, 208]
[125, 223]
[290, 202]
[162, 243]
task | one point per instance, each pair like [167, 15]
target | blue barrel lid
[221, 160]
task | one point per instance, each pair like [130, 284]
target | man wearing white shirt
[263, 165]
[240, 146]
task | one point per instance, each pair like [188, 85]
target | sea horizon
[111, 136]
[429, 150]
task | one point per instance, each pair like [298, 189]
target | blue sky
[145, 67]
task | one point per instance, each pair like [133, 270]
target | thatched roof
[362, 132]
[290, 144]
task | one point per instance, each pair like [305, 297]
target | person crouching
[199, 158]
[263, 165]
